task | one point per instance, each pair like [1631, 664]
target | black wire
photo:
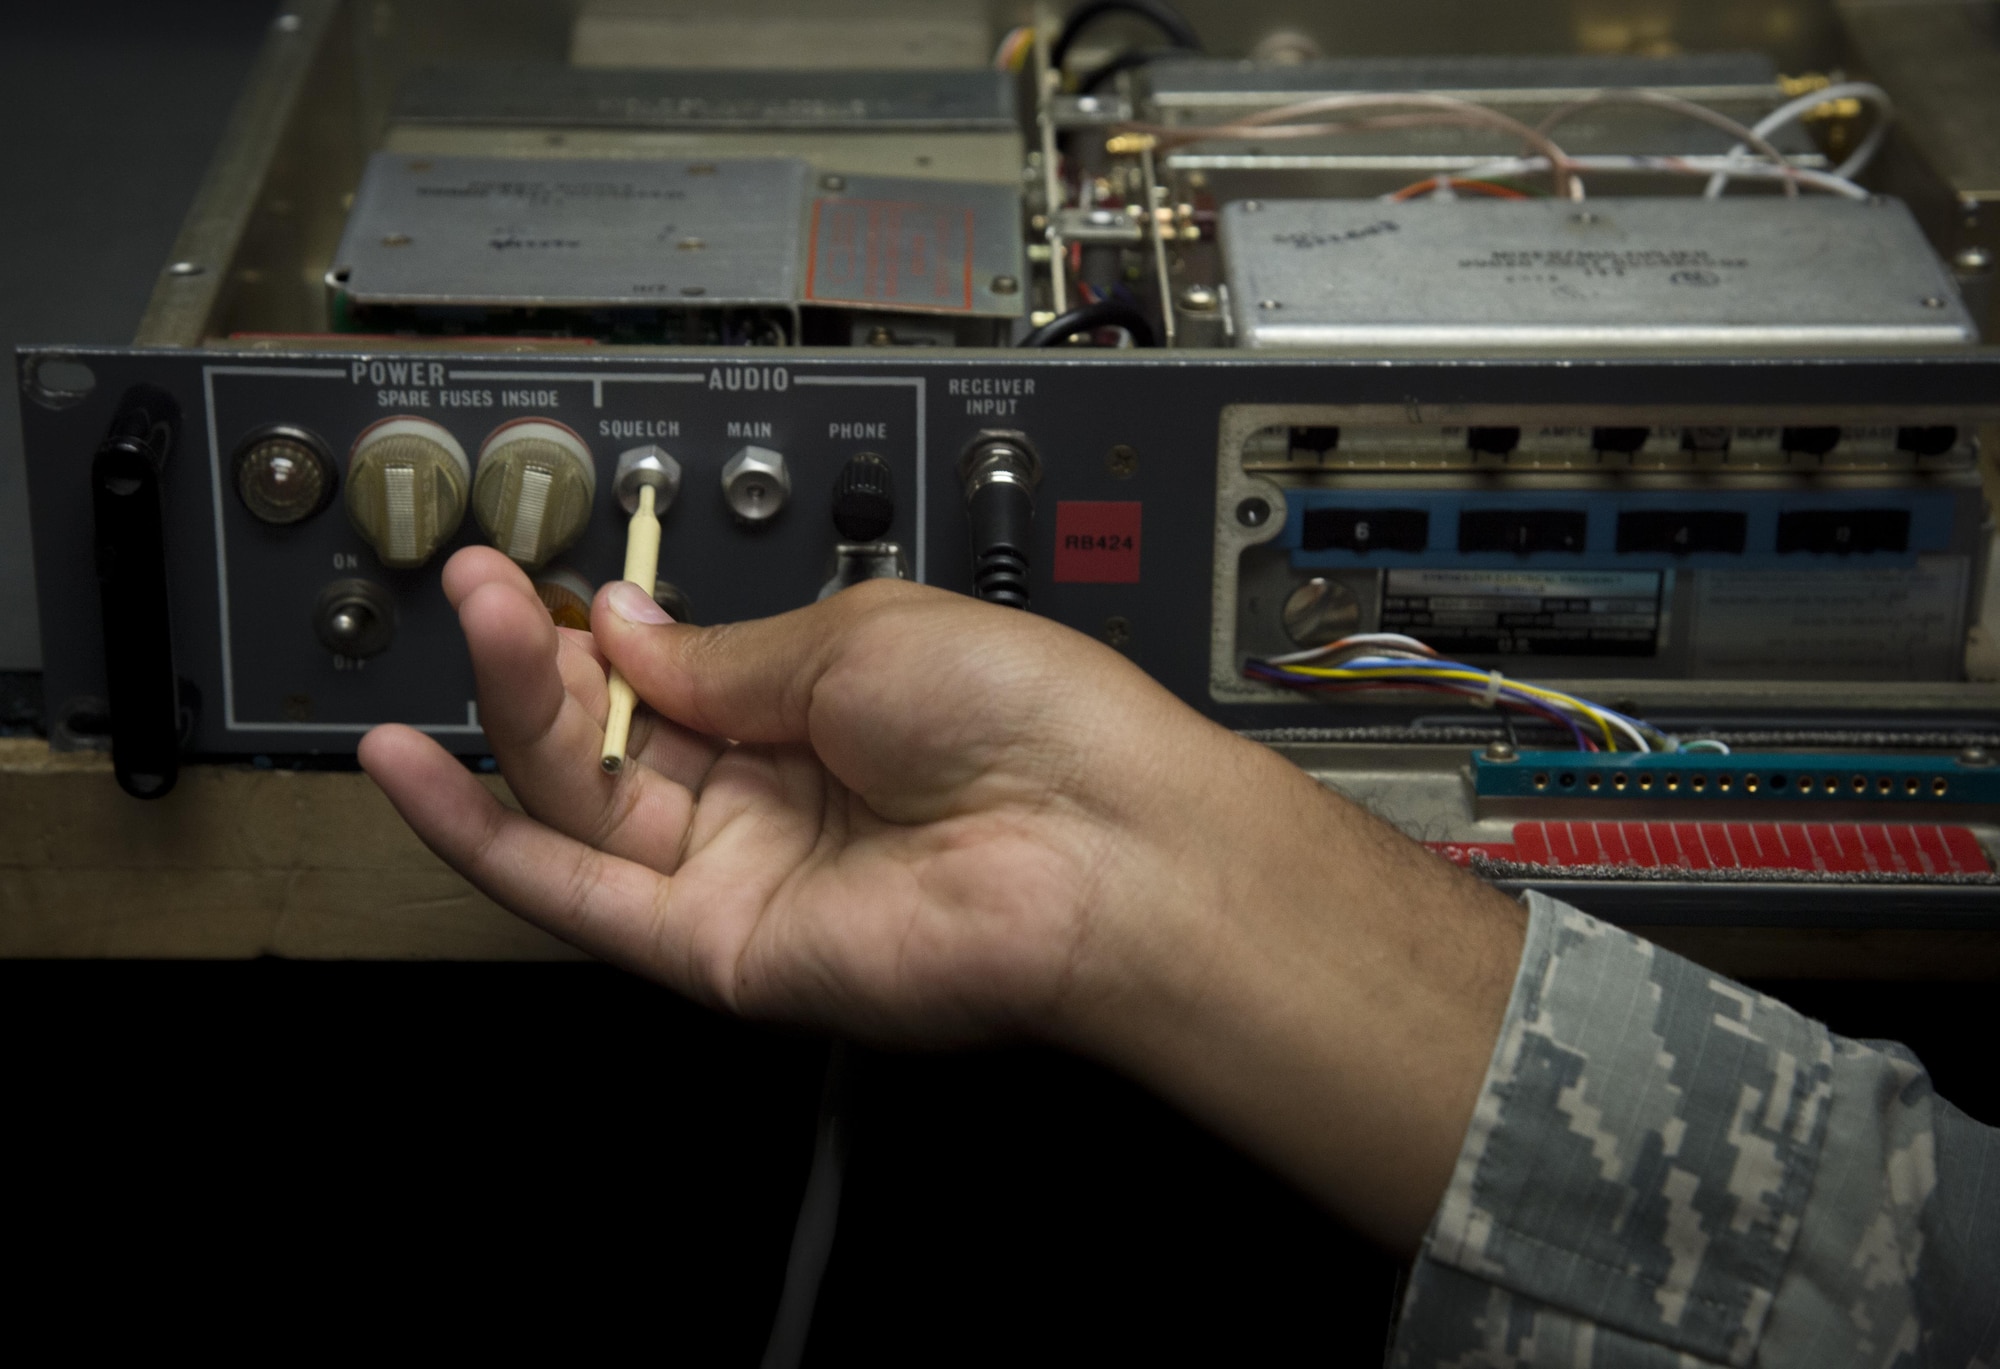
[819, 1213]
[1178, 31]
[1129, 60]
[1088, 318]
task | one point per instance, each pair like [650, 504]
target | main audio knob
[756, 484]
[406, 486]
[864, 498]
[534, 488]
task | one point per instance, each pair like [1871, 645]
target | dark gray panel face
[1109, 430]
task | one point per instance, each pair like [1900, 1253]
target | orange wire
[1488, 188]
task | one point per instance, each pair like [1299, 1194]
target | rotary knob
[406, 486]
[756, 484]
[864, 498]
[534, 488]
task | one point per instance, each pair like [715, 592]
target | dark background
[280, 1155]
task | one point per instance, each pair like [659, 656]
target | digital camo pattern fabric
[1667, 1168]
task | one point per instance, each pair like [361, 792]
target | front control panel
[311, 499]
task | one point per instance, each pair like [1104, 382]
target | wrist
[1305, 979]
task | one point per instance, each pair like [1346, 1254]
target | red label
[884, 252]
[1097, 543]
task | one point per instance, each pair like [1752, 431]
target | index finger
[614, 908]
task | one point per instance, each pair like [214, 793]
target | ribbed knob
[406, 488]
[864, 498]
[534, 488]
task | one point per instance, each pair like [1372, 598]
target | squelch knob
[864, 498]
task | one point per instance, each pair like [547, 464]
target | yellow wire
[1471, 676]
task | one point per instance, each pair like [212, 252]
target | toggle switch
[355, 618]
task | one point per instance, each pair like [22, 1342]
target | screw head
[1933, 302]
[833, 183]
[1004, 285]
[1976, 757]
[1122, 460]
[1973, 259]
[1269, 304]
[1253, 512]
[1200, 299]
[1251, 206]
[1320, 611]
[1117, 632]
[1501, 751]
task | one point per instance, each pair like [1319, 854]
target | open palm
[896, 839]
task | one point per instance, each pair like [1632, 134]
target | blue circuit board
[1773, 776]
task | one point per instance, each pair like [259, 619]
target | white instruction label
[1906, 624]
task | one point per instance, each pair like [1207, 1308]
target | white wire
[1589, 712]
[1680, 166]
[1619, 722]
[1390, 639]
[1885, 110]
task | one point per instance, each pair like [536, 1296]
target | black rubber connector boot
[1001, 471]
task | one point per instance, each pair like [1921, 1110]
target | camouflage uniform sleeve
[1665, 1168]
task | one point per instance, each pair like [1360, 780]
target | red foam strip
[1845, 848]
[1966, 853]
[1532, 841]
[1936, 855]
[1639, 841]
[1611, 844]
[1562, 842]
[1881, 847]
[1827, 854]
[1692, 851]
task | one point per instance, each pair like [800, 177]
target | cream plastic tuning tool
[646, 482]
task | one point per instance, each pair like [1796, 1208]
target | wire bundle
[1754, 155]
[1389, 660]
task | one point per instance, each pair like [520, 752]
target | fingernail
[634, 605]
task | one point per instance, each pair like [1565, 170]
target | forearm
[1313, 985]
[1668, 1168]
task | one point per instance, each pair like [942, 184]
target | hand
[908, 815]
[924, 803]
